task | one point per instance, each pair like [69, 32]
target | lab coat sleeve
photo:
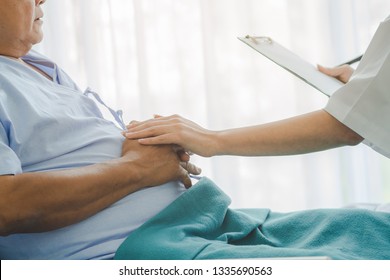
[363, 104]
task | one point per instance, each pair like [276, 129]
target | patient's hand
[343, 73]
[157, 165]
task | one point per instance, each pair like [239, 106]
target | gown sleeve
[10, 163]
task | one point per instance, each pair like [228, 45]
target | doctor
[359, 111]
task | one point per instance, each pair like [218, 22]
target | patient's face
[20, 25]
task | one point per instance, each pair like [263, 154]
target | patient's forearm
[307, 133]
[35, 202]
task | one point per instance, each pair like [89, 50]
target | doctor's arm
[315, 131]
[37, 202]
[307, 133]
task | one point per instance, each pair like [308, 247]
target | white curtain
[183, 56]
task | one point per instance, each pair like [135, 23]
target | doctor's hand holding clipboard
[358, 110]
[343, 72]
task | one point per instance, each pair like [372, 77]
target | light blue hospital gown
[51, 125]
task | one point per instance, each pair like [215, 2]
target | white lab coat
[363, 104]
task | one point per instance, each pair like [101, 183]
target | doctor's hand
[343, 73]
[173, 130]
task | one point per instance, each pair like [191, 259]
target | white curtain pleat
[183, 56]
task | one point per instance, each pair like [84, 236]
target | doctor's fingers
[159, 134]
[136, 124]
[159, 120]
[132, 124]
[145, 126]
[165, 139]
[342, 73]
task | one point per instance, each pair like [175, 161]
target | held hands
[156, 165]
[173, 130]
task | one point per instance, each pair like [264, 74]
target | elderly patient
[66, 172]
[71, 187]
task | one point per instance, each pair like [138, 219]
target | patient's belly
[97, 237]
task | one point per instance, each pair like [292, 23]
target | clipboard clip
[259, 39]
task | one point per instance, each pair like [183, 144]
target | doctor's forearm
[307, 133]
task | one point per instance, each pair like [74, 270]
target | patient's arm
[36, 202]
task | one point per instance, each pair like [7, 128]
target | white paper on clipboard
[293, 63]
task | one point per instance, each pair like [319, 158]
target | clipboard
[293, 63]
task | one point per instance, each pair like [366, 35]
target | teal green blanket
[200, 225]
